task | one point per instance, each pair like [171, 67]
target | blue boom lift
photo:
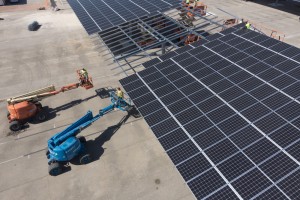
[64, 146]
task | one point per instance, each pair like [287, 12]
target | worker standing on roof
[248, 25]
[120, 93]
[187, 1]
[84, 74]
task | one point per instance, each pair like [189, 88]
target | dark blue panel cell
[221, 151]
[286, 66]
[203, 72]
[180, 106]
[295, 73]
[193, 166]
[183, 152]
[272, 193]
[294, 150]
[133, 85]
[290, 185]
[209, 137]
[220, 65]
[230, 70]
[245, 137]
[269, 74]
[263, 92]
[290, 52]
[206, 184]
[237, 57]
[142, 100]
[212, 78]
[264, 54]
[270, 42]
[239, 77]
[274, 60]
[158, 83]
[188, 115]
[192, 88]
[225, 193]
[183, 81]
[221, 86]
[280, 47]
[270, 123]
[138, 92]
[173, 138]
[278, 166]
[152, 77]
[176, 75]
[170, 69]
[247, 62]
[172, 97]
[276, 101]
[258, 68]
[220, 114]
[261, 150]
[164, 127]
[250, 84]
[198, 125]
[251, 184]
[256, 112]
[289, 111]
[150, 107]
[235, 166]
[283, 81]
[285, 135]
[157, 117]
[229, 52]
[293, 90]
[210, 104]
[243, 102]
[162, 91]
[231, 93]
[232, 124]
[254, 49]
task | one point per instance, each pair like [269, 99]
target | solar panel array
[98, 15]
[226, 111]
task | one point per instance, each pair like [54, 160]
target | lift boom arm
[87, 120]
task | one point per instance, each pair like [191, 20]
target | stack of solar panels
[226, 111]
[98, 15]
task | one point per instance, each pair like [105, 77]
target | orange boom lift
[26, 107]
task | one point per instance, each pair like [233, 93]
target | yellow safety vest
[120, 94]
[187, 1]
[248, 25]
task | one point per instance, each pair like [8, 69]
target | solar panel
[229, 120]
[99, 15]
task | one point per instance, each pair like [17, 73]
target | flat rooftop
[129, 163]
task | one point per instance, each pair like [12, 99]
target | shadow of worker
[95, 147]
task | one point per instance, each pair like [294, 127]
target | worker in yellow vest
[84, 75]
[248, 25]
[187, 1]
[120, 93]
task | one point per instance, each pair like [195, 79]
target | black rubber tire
[54, 169]
[82, 139]
[47, 152]
[41, 116]
[85, 159]
[15, 126]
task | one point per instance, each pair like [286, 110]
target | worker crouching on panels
[120, 93]
[247, 26]
[84, 76]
